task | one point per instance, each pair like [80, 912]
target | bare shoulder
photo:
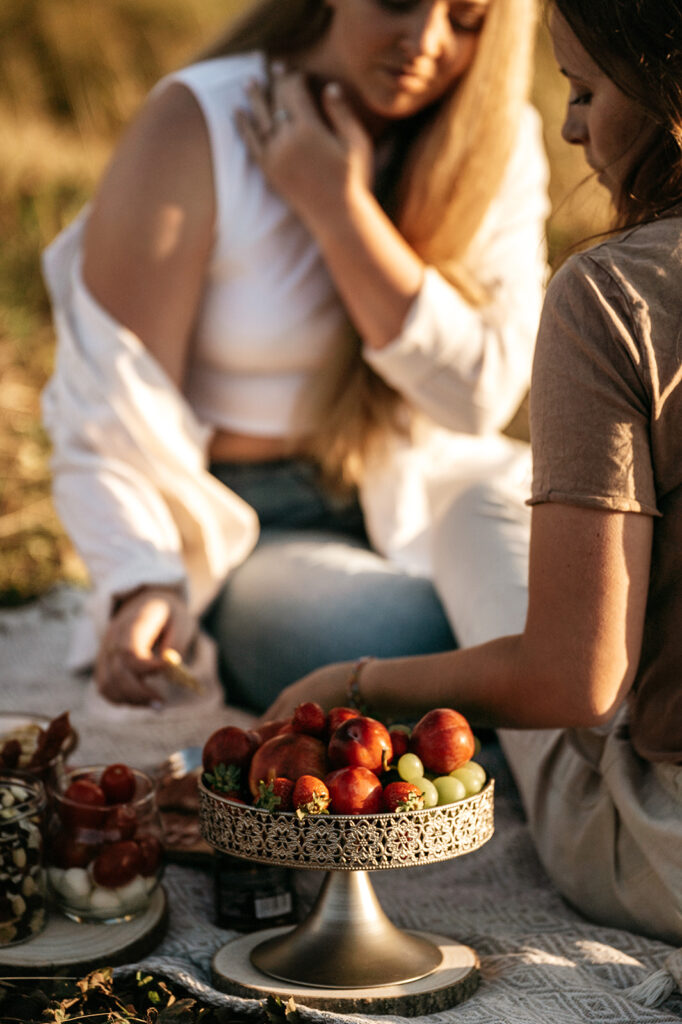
[162, 162]
[150, 230]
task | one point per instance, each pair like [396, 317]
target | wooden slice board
[66, 944]
[455, 980]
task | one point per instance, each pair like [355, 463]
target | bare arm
[147, 244]
[575, 660]
[150, 230]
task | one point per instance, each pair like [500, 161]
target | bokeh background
[72, 73]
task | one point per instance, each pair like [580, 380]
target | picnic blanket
[541, 962]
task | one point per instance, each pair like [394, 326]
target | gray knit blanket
[541, 962]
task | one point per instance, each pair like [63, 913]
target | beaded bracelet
[354, 696]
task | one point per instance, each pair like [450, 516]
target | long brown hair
[639, 47]
[450, 162]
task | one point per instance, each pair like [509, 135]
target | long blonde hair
[451, 164]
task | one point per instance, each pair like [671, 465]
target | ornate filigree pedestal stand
[347, 944]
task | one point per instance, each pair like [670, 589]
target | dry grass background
[72, 72]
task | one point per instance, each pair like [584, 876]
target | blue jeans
[312, 591]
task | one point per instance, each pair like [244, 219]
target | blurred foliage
[72, 73]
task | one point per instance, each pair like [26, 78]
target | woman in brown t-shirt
[589, 696]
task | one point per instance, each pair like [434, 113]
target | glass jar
[250, 896]
[22, 877]
[104, 856]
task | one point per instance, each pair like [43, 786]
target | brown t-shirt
[606, 430]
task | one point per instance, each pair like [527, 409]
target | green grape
[410, 768]
[428, 790]
[472, 775]
[477, 745]
[474, 766]
[450, 790]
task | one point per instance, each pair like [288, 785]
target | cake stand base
[453, 981]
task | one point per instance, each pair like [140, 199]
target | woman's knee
[480, 559]
[298, 603]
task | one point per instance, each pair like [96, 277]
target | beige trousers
[607, 825]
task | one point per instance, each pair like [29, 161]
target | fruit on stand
[345, 763]
[400, 740]
[269, 729]
[226, 779]
[443, 740]
[472, 775]
[309, 718]
[338, 715]
[354, 790]
[449, 789]
[361, 742]
[229, 745]
[410, 767]
[310, 796]
[428, 790]
[289, 754]
[402, 796]
[275, 794]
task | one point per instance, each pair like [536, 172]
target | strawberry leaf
[267, 798]
[224, 778]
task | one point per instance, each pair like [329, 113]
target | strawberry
[309, 718]
[402, 796]
[310, 796]
[225, 779]
[275, 795]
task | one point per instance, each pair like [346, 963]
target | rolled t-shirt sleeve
[590, 400]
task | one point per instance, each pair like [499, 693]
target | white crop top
[269, 316]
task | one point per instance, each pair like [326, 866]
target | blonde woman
[293, 322]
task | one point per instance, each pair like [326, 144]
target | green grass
[72, 72]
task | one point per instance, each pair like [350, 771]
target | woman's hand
[326, 685]
[148, 622]
[320, 159]
[313, 158]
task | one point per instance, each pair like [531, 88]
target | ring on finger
[281, 116]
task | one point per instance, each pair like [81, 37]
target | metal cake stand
[347, 942]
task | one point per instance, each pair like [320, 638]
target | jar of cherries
[104, 851]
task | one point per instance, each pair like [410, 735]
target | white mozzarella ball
[76, 887]
[105, 901]
[133, 893]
